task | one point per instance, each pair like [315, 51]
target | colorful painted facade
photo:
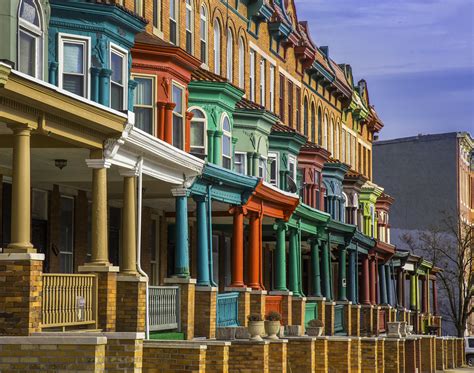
[170, 168]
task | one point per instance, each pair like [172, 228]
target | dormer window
[30, 39]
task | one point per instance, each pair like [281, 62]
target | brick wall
[427, 354]
[107, 301]
[355, 320]
[244, 307]
[217, 357]
[301, 354]
[278, 356]
[131, 303]
[298, 305]
[123, 354]
[392, 355]
[321, 355]
[356, 355]
[410, 354]
[329, 321]
[339, 357]
[249, 357]
[174, 358]
[440, 353]
[366, 325]
[205, 307]
[381, 355]
[369, 355]
[257, 302]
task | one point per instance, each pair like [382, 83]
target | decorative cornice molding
[98, 163]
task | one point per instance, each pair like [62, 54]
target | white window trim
[114, 48]
[264, 161]
[241, 63]
[175, 18]
[158, 28]
[252, 75]
[292, 159]
[276, 156]
[226, 133]
[86, 40]
[217, 34]
[205, 120]
[38, 32]
[153, 98]
[262, 82]
[272, 88]
[191, 29]
[230, 56]
[245, 160]
[204, 18]
[183, 112]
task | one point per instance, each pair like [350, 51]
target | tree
[450, 247]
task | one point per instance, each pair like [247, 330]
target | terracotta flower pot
[256, 330]
[272, 328]
[315, 331]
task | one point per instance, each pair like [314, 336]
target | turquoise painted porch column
[388, 272]
[203, 276]
[352, 280]
[104, 86]
[293, 263]
[325, 273]
[181, 260]
[382, 284]
[342, 281]
[218, 148]
[316, 268]
[280, 258]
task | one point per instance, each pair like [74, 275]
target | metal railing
[69, 300]
[163, 303]
[228, 309]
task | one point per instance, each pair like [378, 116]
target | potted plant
[256, 326]
[272, 324]
[315, 328]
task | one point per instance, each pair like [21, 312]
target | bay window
[30, 39]
[198, 133]
[240, 163]
[74, 64]
[144, 107]
[178, 116]
[273, 169]
[118, 79]
[226, 143]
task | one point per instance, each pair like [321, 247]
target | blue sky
[416, 55]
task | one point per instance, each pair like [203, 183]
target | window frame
[114, 48]
[252, 56]
[290, 102]
[244, 163]
[281, 99]
[272, 88]
[153, 101]
[217, 47]
[156, 21]
[276, 157]
[262, 164]
[174, 18]
[293, 159]
[229, 135]
[204, 39]
[86, 41]
[263, 82]
[37, 33]
[182, 115]
[202, 120]
[241, 63]
[189, 28]
[230, 55]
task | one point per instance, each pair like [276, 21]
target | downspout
[139, 243]
[300, 259]
[209, 230]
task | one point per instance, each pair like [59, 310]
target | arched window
[174, 20]
[305, 116]
[203, 34]
[198, 133]
[189, 26]
[241, 63]
[30, 38]
[226, 143]
[325, 132]
[217, 47]
[331, 137]
[230, 55]
[320, 127]
[336, 141]
[313, 123]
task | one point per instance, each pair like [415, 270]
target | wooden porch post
[238, 248]
[280, 258]
[365, 281]
[316, 268]
[254, 252]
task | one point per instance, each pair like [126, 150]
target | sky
[416, 55]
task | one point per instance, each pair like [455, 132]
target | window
[290, 103]
[331, 138]
[174, 16]
[305, 116]
[144, 107]
[240, 163]
[262, 82]
[272, 88]
[282, 97]
[73, 64]
[262, 168]
[198, 133]
[189, 26]
[343, 146]
[203, 34]
[325, 132]
[226, 143]
[320, 127]
[118, 80]
[252, 75]
[313, 123]
[298, 108]
[241, 63]
[336, 141]
[66, 241]
[274, 168]
[230, 55]
[348, 147]
[178, 117]
[217, 47]
[292, 167]
[139, 7]
[157, 14]
[30, 39]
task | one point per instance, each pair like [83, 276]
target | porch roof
[308, 219]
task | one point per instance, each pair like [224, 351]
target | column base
[95, 268]
[19, 248]
[286, 305]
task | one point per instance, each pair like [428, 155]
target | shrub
[315, 323]
[273, 316]
[255, 317]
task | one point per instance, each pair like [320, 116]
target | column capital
[19, 127]
[280, 225]
[218, 133]
[170, 105]
[126, 172]
[98, 163]
[180, 192]
[199, 197]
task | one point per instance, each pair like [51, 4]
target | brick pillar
[367, 322]
[244, 304]
[321, 354]
[278, 356]
[402, 355]
[131, 298]
[249, 356]
[427, 354]
[287, 308]
[347, 316]
[301, 354]
[339, 355]
[440, 354]
[418, 354]
[20, 293]
[330, 315]
[392, 355]
[369, 354]
[107, 299]
[205, 307]
[381, 355]
[187, 289]
[451, 353]
[257, 302]
[320, 302]
[355, 320]
[460, 355]
[298, 311]
[410, 354]
[356, 354]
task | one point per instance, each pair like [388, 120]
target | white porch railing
[163, 307]
[69, 300]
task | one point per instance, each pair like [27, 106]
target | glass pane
[203, 51]
[197, 133]
[116, 99]
[172, 31]
[144, 91]
[226, 125]
[203, 29]
[188, 19]
[198, 114]
[144, 119]
[189, 42]
[27, 54]
[73, 58]
[226, 163]
[226, 145]
[29, 13]
[116, 64]
[178, 99]
[74, 84]
[177, 131]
